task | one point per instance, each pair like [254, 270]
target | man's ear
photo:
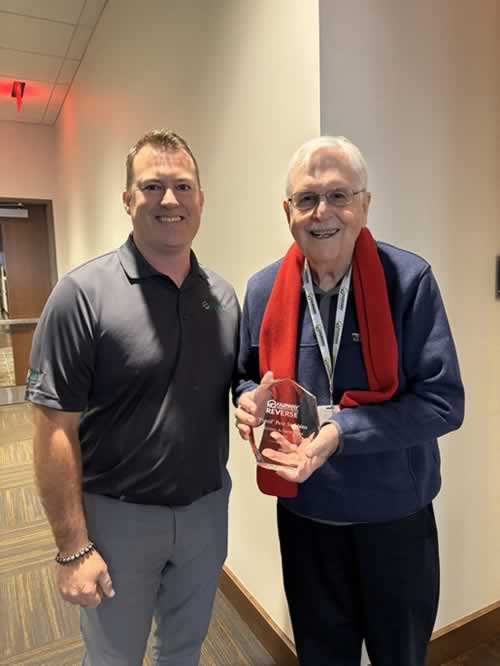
[367, 197]
[126, 201]
[286, 208]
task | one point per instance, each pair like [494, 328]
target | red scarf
[278, 335]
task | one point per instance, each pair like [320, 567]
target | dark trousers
[377, 582]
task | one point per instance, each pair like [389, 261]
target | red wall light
[18, 92]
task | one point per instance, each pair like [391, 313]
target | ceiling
[42, 42]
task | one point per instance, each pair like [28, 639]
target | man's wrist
[73, 543]
[76, 556]
[339, 435]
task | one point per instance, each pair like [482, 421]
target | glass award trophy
[289, 404]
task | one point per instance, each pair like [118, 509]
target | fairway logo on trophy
[289, 404]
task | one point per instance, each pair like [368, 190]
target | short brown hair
[160, 139]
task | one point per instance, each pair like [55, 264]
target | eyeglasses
[338, 197]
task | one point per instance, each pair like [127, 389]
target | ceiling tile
[34, 35]
[79, 43]
[68, 70]
[91, 12]
[58, 94]
[67, 11]
[56, 101]
[22, 65]
[50, 116]
[42, 43]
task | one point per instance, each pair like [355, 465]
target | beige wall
[416, 86]
[223, 73]
[226, 74]
[27, 161]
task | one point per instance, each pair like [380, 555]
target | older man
[132, 410]
[362, 326]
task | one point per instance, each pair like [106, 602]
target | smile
[321, 234]
[166, 218]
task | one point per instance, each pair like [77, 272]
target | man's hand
[252, 405]
[84, 582]
[303, 455]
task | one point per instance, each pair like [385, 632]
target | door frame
[15, 394]
[49, 215]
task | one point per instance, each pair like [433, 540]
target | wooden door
[27, 265]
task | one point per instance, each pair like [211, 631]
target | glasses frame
[325, 197]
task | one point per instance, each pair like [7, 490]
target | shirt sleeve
[432, 400]
[63, 350]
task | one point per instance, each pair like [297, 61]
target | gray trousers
[163, 562]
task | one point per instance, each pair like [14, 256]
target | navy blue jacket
[389, 464]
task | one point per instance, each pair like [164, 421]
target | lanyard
[319, 330]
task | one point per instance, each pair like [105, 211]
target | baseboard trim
[446, 644]
[274, 640]
[465, 634]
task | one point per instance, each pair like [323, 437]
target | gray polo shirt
[149, 365]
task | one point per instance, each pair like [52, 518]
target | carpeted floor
[36, 627]
[7, 377]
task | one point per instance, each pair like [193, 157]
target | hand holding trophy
[289, 420]
[280, 419]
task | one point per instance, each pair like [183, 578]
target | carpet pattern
[36, 627]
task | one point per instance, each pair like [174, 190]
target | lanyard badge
[329, 362]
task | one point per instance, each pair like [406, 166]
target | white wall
[27, 161]
[230, 77]
[415, 85]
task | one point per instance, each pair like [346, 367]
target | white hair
[353, 153]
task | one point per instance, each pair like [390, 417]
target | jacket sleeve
[431, 400]
[235, 377]
[248, 358]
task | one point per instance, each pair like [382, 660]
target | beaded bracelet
[68, 559]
